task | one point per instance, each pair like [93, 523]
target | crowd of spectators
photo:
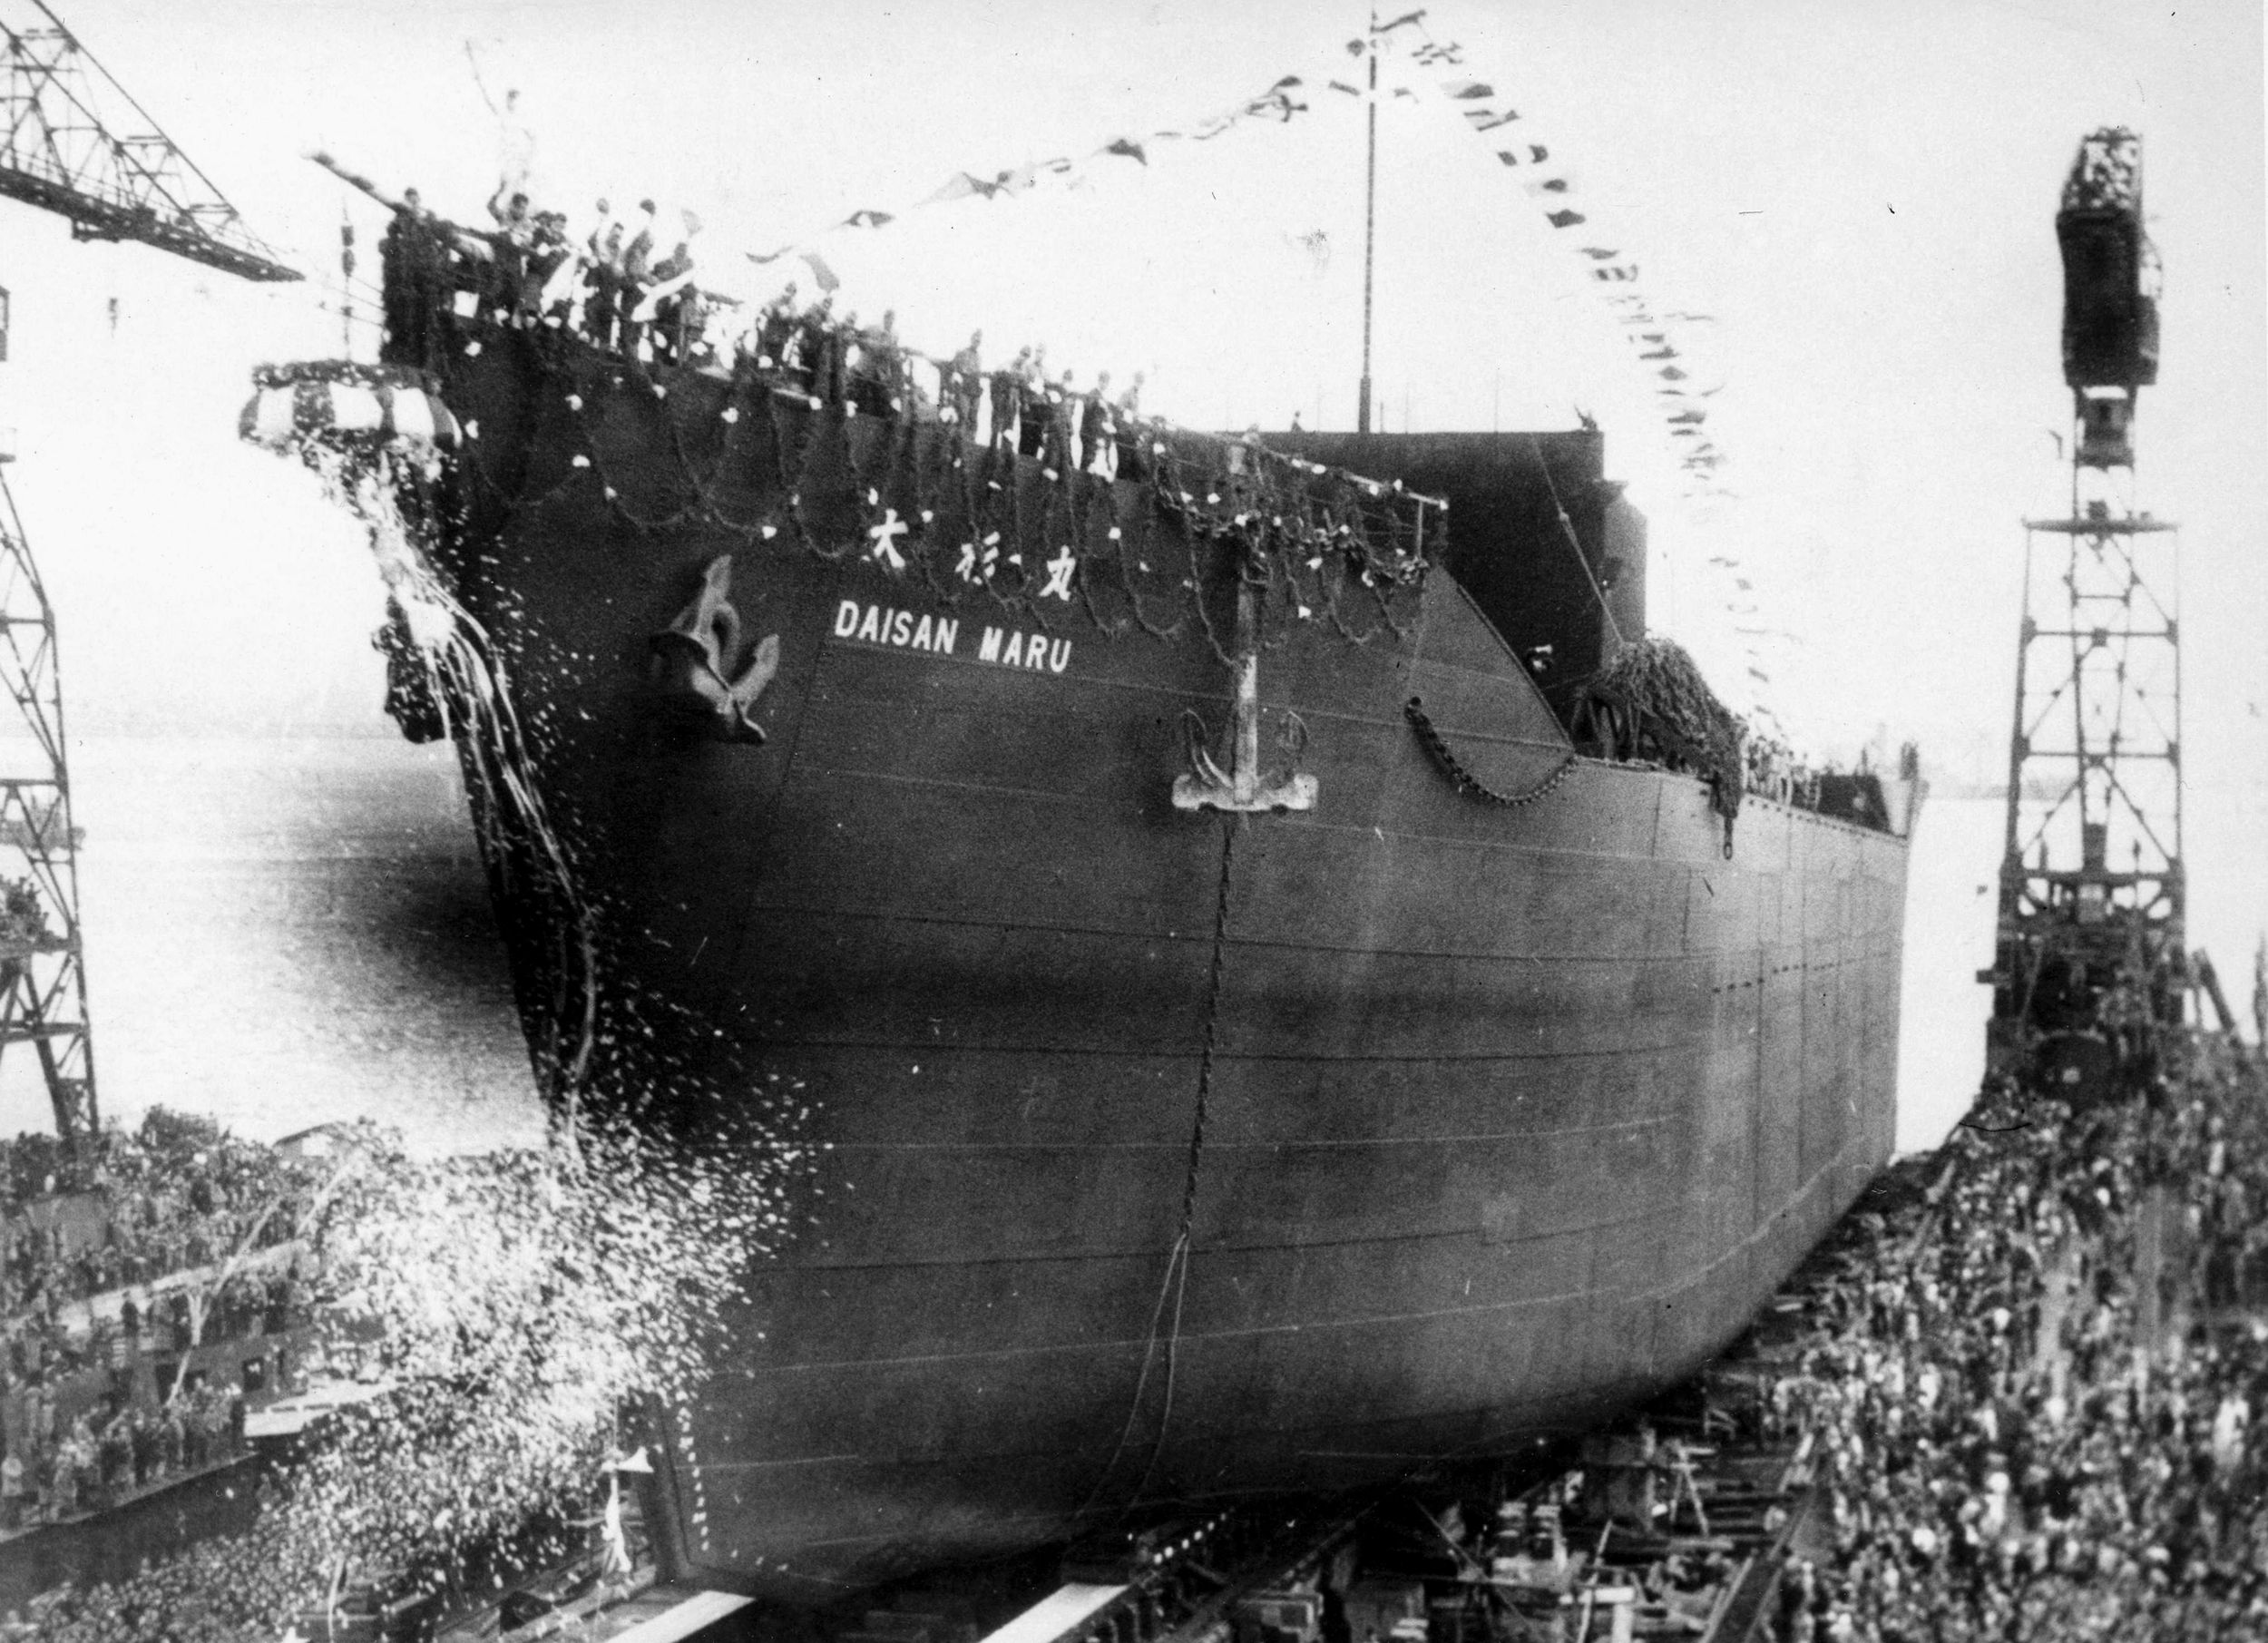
[616, 287]
[2031, 1398]
[613, 286]
[114, 1449]
[118, 1209]
[121, 1254]
[519, 1302]
[1023, 407]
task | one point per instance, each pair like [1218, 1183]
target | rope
[1196, 1146]
[1174, 1285]
[1567, 529]
[1467, 782]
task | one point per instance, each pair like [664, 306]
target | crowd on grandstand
[121, 1255]
[492, 1435]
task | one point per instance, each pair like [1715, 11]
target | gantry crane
[72, 141]
[2089, 960]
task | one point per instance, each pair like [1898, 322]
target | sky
[1860, 195]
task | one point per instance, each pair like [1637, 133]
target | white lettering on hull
[1034, 651]
[900, 630]
[905, 631]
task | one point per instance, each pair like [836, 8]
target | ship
[1272, 982]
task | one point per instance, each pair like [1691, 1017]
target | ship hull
[1139, 1154]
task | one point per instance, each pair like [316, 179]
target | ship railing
[80, 1316]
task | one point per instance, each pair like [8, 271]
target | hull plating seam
[1160, 1251]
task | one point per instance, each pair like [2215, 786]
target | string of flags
[1491, 115]
[1278, 104]
[1656, 334]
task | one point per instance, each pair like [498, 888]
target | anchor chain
[1466, 781]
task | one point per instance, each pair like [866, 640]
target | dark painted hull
[1157, 1155]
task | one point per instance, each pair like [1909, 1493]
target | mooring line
[1174, 1285]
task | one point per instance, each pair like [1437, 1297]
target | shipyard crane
[2088, 961]
[72, 141]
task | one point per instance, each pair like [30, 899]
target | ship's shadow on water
[288, 932]
[429, 916]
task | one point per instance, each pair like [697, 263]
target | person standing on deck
[673, 304]
[843, 369]
[959, 387]
[775, 328]
[894, 377]
[410, 252]
[1008, 400]
[548, 252]
[513, 240]
[878, 382]
[1062, 417]
[1032, 408]
[637, 273]
[817, 340]
[1098, 432]
[602, 295]
[1130, 460]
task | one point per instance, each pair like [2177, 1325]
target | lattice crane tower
[72, 141]
[2089, 959]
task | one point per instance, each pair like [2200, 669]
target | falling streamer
[466, 676]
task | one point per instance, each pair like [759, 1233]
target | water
[284, 932]
[1950, 912]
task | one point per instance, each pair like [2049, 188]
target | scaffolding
[2089, 959]
[72, 141]
[43, 976]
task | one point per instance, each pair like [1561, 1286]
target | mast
[1370, 220]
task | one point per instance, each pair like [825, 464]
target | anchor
[692, 656]
[1243, 788]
